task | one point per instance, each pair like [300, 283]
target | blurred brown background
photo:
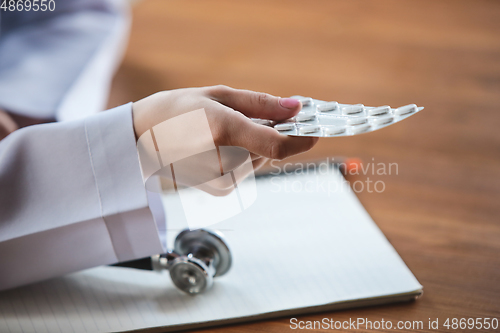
[442, 211]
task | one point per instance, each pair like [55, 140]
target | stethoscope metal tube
[198, 256]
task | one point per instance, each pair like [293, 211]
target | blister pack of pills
[331, 119]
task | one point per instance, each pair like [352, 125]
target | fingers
[255, 104]
[265, 141]
[258, 163]
[223, 188]
[254, 157]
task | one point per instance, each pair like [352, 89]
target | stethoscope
[197, 258]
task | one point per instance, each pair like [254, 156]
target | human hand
[227, 111]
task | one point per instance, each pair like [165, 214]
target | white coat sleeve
[72, 197]
[64, 60]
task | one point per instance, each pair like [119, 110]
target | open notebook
[293, 252]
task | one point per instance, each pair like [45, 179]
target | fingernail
[289, 103]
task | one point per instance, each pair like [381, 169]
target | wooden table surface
[442, 210]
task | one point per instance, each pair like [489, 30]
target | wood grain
[442, 210]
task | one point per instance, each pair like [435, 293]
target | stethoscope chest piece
[198, 256]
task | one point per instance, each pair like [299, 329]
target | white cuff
[122, 195]
[72, 197]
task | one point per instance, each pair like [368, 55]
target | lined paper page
[291, 249]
